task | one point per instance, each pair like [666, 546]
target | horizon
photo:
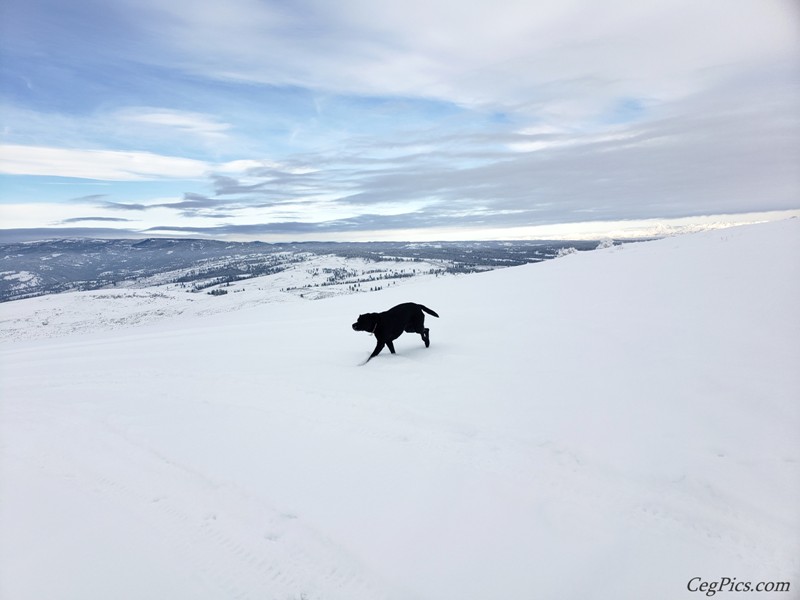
[578, 232]
[272, 121]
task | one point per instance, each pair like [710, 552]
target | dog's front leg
[377, 350]
[390, 346]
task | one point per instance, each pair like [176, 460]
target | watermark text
[731, 584]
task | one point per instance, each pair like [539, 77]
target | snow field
[606, 425]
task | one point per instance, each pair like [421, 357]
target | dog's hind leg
[426, 337]
[390, 346]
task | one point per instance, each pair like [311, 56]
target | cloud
[104, 165]
[89, 198]
[564, 58]
[730, 149]
[175, 122]
[107, 165]
[23, 234]
[198, 205]
[124, 206]
[368, 222]
[104, 219]
[313, 117]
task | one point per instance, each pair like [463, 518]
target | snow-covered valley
[607, 425]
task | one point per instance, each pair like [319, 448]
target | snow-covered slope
[154, 299]
[608, 425]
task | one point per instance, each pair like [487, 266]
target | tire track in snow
[280, 556]
[229, 540]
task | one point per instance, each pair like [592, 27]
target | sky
[416, 119]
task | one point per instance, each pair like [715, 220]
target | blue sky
[434, 119]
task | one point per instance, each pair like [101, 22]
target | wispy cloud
[105, 165]
[97, 219]
[109, 165]
[89, 198]
[124, 206]
[174, 122]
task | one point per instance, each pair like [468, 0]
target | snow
[25, 278]
[606, 425]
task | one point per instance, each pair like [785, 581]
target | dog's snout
[355, 326]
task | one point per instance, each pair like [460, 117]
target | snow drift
[608, 425]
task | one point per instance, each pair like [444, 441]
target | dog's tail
[428, 310]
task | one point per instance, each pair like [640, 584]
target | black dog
[387, 326]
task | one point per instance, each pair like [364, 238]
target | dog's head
[367, 322]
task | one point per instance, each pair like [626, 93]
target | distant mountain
[47, 267]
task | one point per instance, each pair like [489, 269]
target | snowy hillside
[313, 278]
[608, 425]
